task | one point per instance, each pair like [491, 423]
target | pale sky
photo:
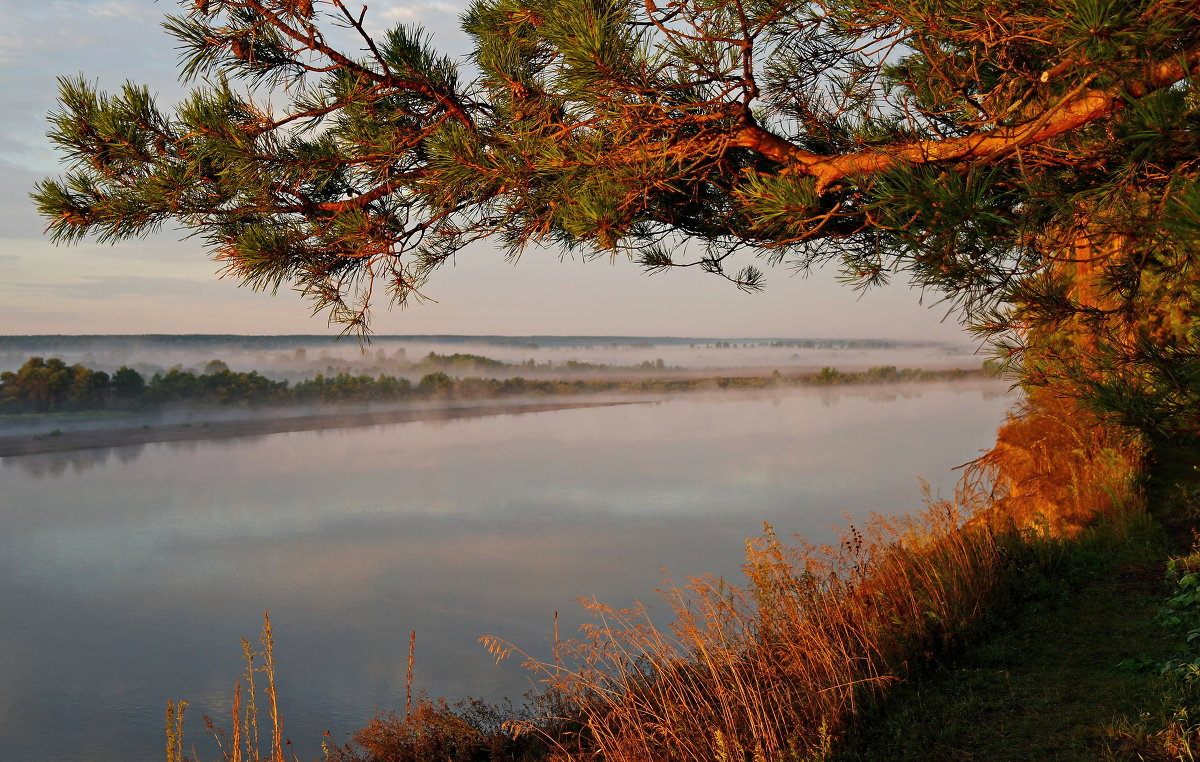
[163, 285]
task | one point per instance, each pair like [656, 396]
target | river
[128, 575]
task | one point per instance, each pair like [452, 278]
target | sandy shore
[31, 444]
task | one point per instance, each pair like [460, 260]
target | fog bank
[294, 358]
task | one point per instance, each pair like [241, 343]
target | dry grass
[776, 668]
[173, 726]
[773, 669]
[465, 731]
[431, 730]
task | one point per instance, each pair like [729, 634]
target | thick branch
[1071, 113]
[358, 202]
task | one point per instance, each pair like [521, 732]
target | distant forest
[45, 386]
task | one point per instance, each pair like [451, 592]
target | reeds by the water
[775, 668]
[241, 743]
[1058, 469]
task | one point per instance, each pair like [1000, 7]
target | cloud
[109, 9]
[69, 28]
[420, 11]
[437, 17]
[70, 291]
[110, 287]
[92, 8]
[18, 219]
[109, 41]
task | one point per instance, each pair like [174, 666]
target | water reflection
[136, 570]
[53, 464]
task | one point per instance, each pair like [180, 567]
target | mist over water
[297, 357]
[135, 571]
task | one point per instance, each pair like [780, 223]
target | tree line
[46, 386]
[42, 385]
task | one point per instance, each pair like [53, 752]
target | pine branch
[1077, 109]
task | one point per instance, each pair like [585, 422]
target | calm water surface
[128, 575]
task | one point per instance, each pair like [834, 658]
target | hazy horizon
[297, 356]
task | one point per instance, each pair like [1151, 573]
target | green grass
[1045, 686]
[1045, 681]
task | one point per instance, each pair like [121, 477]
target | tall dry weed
[241, 743]
[774, 668]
